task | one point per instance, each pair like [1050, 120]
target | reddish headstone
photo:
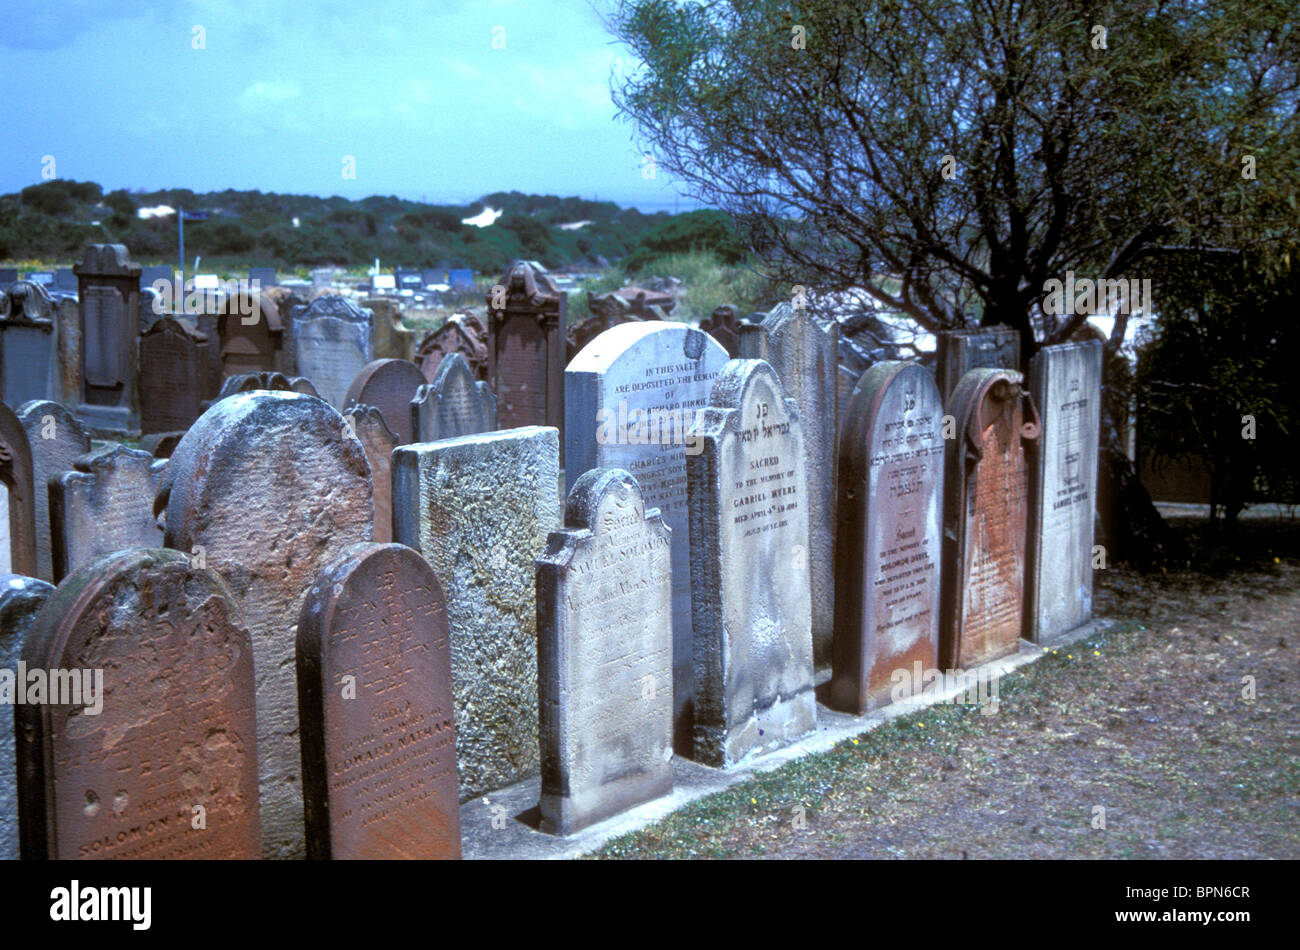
[388, 385]
[527, 315]
[108, 290]
[375, 703]
[156, 756]
[462, 333]
[173, 375]
[985, 514]
[724, 326]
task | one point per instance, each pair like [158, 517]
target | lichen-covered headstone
[268, 488]
[20, 599]
[333, 341]
[631, 398]
[985, 512]
[375, 702]
[1066, 384]
[804, 352]
[104, 504]
[454, 404]
[479, 508]
[389, 385]
[751, 593]
[889, 540]
[154, 754]
[57, 440]
[605, 655]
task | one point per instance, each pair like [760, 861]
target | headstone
[57, 440]
[20, 599]
[165, 768]
[161, 444]
[1065, 381]
[67, 351]
[250, 335]
[479, 508]
[104, 505]
[805, 354]
[265, 277]
[454, 404]
[375, 702]
[647, 381]
[16, 478]
[271, 486]
[527, 316]
[392, 339]
[608, 310]
[389, 386]
[889, 541]
[605, 655]
[460, 333]
[985, 513]
[333, 341]
[28, 366]
[367, 424]
[960, 351]
[845, 380]
[109, 294]
[173, 375]
[4, 528]
[724, 326]
[751, 591]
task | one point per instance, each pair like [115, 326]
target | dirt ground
[1179, 730]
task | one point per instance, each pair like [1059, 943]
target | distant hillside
[56, 220]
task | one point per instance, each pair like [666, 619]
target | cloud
[263, 94]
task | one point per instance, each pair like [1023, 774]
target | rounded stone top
[670, 340]
[592, 487]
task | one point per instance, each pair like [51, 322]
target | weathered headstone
[165, 767]
[67, 351]
[985, 514]
[375, 703]
[161, 444]
[57, 440]
[462, 333]
[173, 375]
[333, 341]
[889, 540]
[104, 505]
[1065, 382]
[805, 354]
[605, 655]
[527, 315]
[367, 424]
[454, 404]
[16, 478]
[960, 351]
[109, 294]
[28, 367]
[645, 382]
[724, 326]
[20, 599]
[270, 486]
[751, 591]
[845, 381]
[479, 508]
[250, 335]
[389, 386]
[392, 339]
[272, 382]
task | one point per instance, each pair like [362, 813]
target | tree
[953, 157]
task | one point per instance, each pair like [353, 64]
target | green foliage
[708, 231]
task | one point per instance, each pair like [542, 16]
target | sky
[271, 95]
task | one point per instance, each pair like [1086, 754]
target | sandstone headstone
[985, 512]
[751, 592]
[250, 334]
[724, 326]
[16, 478]
[57, 440]
[28, 367]
[388, 385]
[479, 508]
[367, 424]
[104, 505]
[462, 333]
[526, 347]
[161, 444]
[166, 768]
[454, 404]
[375, 703]
[805, 354]
[109, 295]
[67, 351]
[960, 351]
[20, 599]
[646, 381]
[605, 655]
[392, 339]
[889, 541]
[333, 341]
[173, 375]
[1065, 381]
[271, 486]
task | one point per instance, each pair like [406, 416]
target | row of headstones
[465, 507]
